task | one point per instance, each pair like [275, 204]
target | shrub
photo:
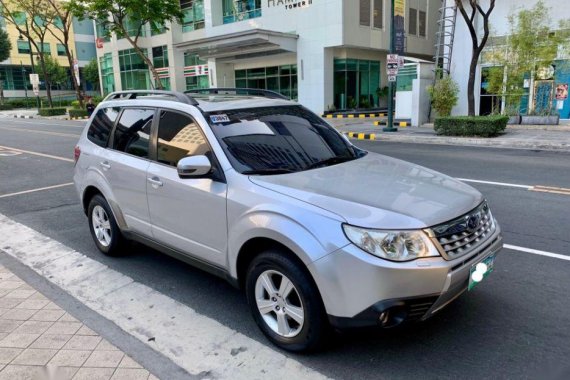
[21, 103]
[443, 95]
[6, 107]
[77, 113]
[485, 126]
[53, 111]
[75, 105]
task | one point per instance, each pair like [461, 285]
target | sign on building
[194, 71]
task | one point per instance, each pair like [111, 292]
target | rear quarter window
[101, 126]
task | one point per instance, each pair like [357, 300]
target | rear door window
[132, 133]
[101, 126]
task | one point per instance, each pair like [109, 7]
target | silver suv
[264, 193]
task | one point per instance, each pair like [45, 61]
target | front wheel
[285, 302]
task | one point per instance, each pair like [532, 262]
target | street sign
[76, 72]
[35, 79]
[36, 88]
[392, 64]
[391, 78]
[400, 62]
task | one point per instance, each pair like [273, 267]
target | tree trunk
[471, 84]
[76, 87]
[48, 82]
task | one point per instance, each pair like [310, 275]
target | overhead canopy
[241, 45]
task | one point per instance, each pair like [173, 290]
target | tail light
[76, 153]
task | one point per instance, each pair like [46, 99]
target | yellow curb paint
[351, 116]
[372, 136]
[403, 124]
[339, 116]
[329, 116]
[361, 136]
[372, 115]
[361, 116]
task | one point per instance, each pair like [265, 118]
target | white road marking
[537, 252]
[34, 190]
[193, 341]
[37, 153]
[527, 187]
[16, 129]
[23, 121]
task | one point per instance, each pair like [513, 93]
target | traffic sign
[36, 88]
[392, 62]
[35, 79]
[391, 78]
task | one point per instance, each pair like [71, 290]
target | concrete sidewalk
[39, 340]
[519, 136]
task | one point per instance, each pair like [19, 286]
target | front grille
[418, 308]
[462, 235]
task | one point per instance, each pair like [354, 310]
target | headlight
[391, 245]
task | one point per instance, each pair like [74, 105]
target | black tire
[313, 331]
[116, 245]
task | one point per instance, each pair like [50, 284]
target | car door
[126, 166]
[186, 214]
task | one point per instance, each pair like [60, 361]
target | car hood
[377, 191]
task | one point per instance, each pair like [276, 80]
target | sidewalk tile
[128, 362]
[47, 315]
[34, 356]
[50, 341]
[18, 340]
[108, 359]
[60, 373]
[68, 328]
[7, 326]
[26, 287]
[33, 327]
[32, 304]
[84, 330]
[19, 372]
[38, 296]
[20, 293]
[152, 377]
[94, 374]
[130, 374]
[3, 292]
[18, 314]
[68, 318]
[70, 358]
[52, 306]
[106, 346]
[10, 284]
[8, 354]
[82, 342]
[7, 275]
[10, 303]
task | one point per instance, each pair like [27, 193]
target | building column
[117, 72]
[177, 79]
[315, 76]
[221, 74]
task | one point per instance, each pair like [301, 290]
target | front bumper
[360, 290]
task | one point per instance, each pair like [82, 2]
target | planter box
[540, 120]
[514, 120]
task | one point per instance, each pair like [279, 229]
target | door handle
[155, 182]
[105, 165]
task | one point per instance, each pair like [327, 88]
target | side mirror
[195, 166]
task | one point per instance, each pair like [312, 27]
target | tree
[31, 18]
[58, 75]
[5, 47]
[91, 73]
[443, 95]
[114, 16]
[477, 46]
[531, 45]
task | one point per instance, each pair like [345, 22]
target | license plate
[480, 271]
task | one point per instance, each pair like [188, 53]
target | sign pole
[390, 126]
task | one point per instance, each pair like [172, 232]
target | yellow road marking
[37, 154]
[551, 189]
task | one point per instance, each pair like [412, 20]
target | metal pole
[25, 83]
[32, 63]
[390, 126]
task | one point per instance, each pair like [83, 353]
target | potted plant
[382, 93]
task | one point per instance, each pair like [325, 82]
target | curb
[353, 116]
[78, 118]
[23, 116]
[361, 136]
[402, 124]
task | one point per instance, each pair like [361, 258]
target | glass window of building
[378, 14]
[102, 32]
[356, 83]
[422, 23]
[239, 10]
[365, 12]
[195, 72]
[281, 79]
[15, 77]
[405, 77]
[23, 47]
[160, 56]
[20, 18]
[134, 27]
[413, 22]
[193, 11]
[61, 50]
[156, 29]
[45, 47]
[107, 76]
[134, 70]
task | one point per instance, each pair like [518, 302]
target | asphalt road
[514, 325]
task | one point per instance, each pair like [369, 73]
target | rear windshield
[278, 139]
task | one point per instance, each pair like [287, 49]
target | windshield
[276, 140]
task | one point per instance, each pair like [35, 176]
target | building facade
[14, 72]
[325, 53]
[540, 91]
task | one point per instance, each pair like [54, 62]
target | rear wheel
[103, 227]
[285, 302]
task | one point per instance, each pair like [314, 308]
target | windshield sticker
[217, 119]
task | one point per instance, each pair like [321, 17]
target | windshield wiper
[329, 161]
[269, 171]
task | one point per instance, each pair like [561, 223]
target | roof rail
[237, 91]
[133, 94]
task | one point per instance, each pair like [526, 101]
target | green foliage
[484, 126]
[21, 103]
[57, 74]
[75, 104]
[443, 95]
[5, 45]
[77, 113]
[382, 92]
[91, 72]
[53, 111]
[6, 107]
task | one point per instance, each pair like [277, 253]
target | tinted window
[133, 132]
[272, 139]
[179, 137]
[101, 126]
